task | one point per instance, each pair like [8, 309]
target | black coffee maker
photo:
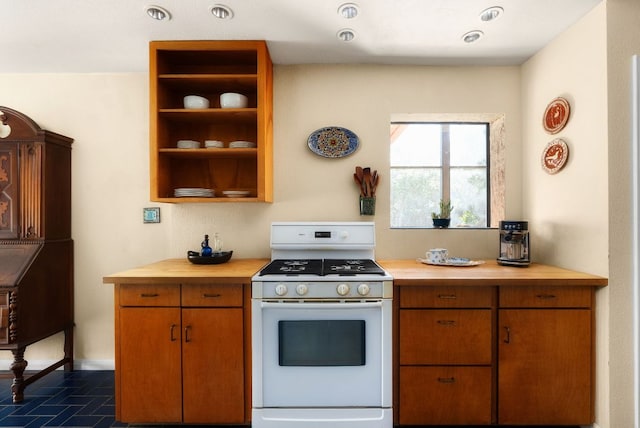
[514, 243]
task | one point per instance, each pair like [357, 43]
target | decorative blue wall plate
[333, 142]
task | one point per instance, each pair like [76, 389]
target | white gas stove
[321, 330]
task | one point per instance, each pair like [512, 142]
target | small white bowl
[233, 100]
[195, 101]
[188, 144]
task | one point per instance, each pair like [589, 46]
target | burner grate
[293, 267]
[352, 267]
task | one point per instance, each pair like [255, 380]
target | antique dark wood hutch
[36, 249]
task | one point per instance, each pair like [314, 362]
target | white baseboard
[77, 364]
[94, 364]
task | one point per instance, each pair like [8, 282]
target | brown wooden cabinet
[545, 356]
[180, 353]
[36, 249]
[445, 355]
[208, 69]
[505, 355]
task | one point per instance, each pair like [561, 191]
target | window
[450, 160]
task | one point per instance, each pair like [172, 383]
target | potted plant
[441, 220]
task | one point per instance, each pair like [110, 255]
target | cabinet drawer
[545, 297]
[149, 295]
[446, 297]
[211, 295]
[445, 336]
[445, 396]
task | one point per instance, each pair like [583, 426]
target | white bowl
[233, 100]
[195, 101]
[188, 144]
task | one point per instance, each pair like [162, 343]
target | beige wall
[568, 211]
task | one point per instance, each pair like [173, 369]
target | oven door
[319, 355]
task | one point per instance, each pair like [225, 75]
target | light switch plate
[151, 215]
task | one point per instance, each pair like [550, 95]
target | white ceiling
[113, 35]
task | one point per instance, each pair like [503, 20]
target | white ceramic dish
[242, 145]
[213, 144]
[195, 102]
[233, 100]
[454, 261]
[188, 144]
[193, 192]
[236, 193]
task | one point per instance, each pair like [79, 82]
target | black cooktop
[322, 267]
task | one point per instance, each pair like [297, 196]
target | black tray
[215, 259]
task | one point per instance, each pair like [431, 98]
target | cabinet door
[150, 376]
[545, 367]
[9, 191]
[213, 365]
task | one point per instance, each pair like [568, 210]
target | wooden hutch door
[8, 191]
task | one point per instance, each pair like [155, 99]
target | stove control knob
[363, 289]
[281, 289]
[343, 289]
[302, 289]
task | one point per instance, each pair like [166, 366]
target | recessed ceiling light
[348, 10]
[158, 13]
[491, 13]
[221, 11]
[346, 34]
[472, 36]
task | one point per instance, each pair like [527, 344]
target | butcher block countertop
[413, 272]
[171, 271]
[404, 272]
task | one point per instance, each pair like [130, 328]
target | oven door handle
[328, 305]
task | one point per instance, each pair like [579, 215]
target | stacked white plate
[188, 144]
[213, 144]
[193, 192]
[236, 193]
[242, 144]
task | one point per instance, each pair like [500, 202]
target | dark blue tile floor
[81, 398]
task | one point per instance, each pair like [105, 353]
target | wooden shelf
[208, 115]
[214, 153]
[209, 69]
[230, 82]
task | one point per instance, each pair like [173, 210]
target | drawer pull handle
[171, 336]
[447, 296]
[210, 296]
[447, 379]
[507, 338]
[546, 296]
[447, 322]
[149, 294]
[186, 333]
